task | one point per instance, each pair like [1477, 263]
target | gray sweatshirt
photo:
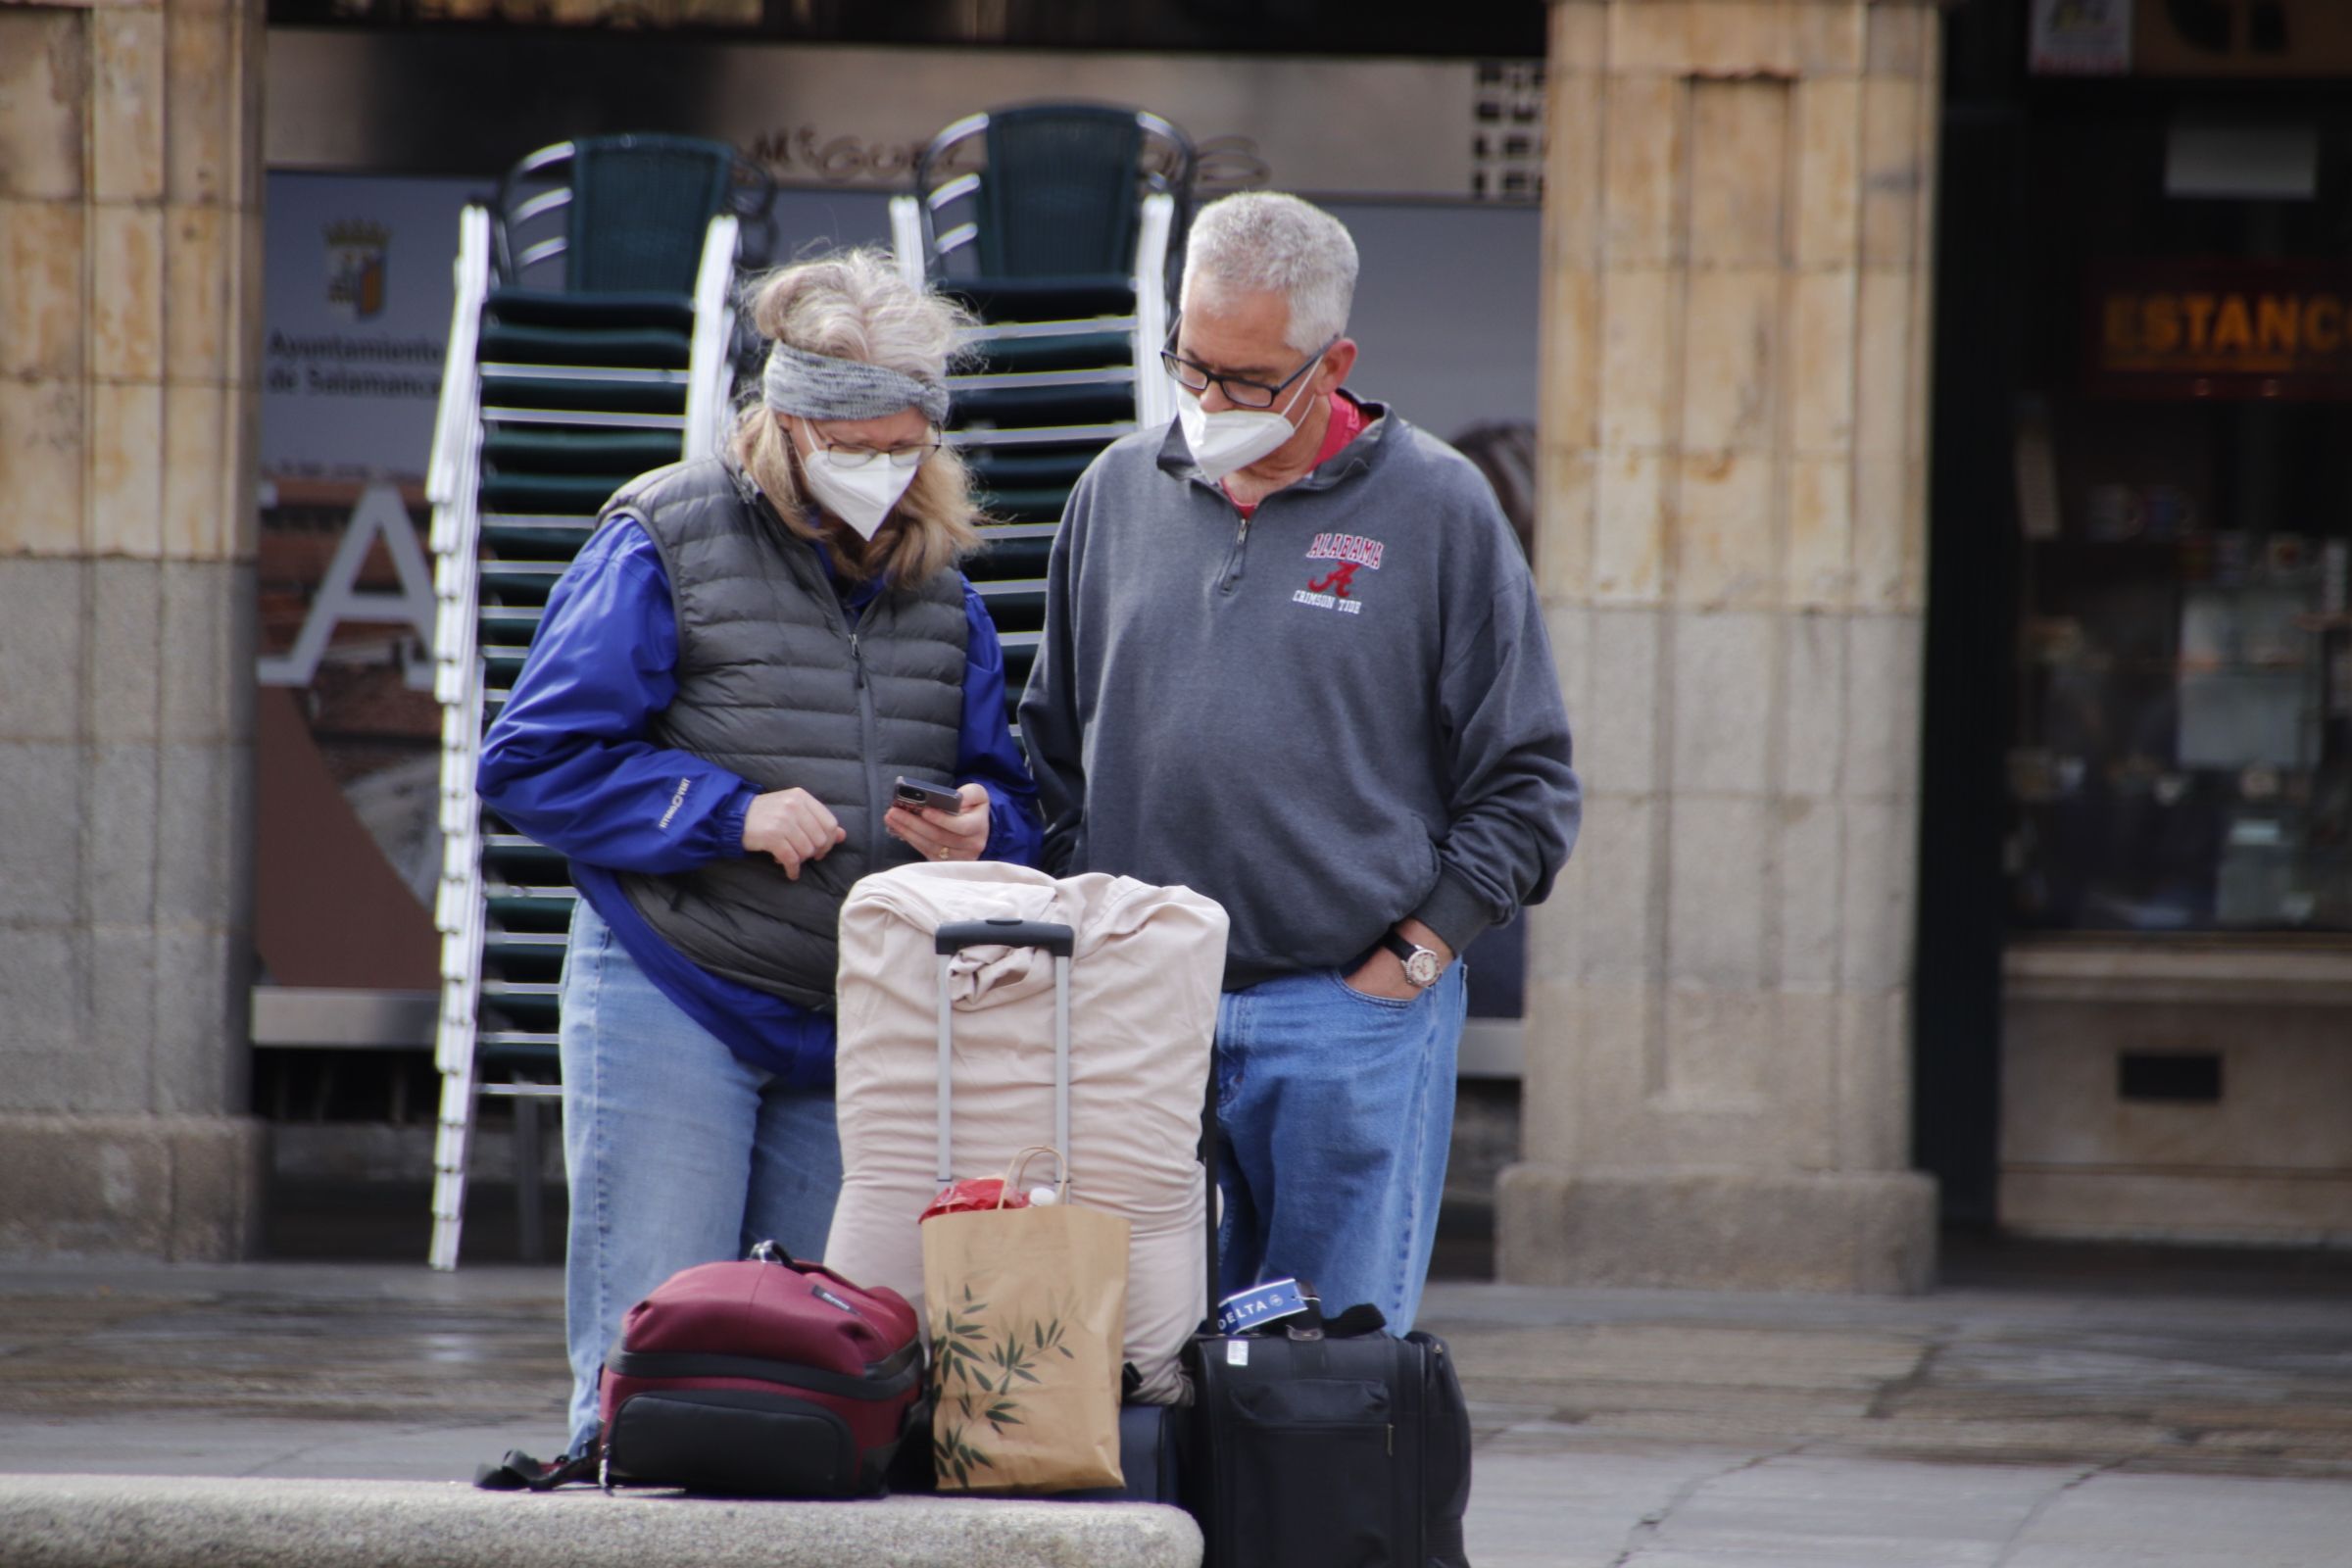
[1335, 715]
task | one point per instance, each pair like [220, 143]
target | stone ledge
[155, 1522]
[2173, 971]
[1716, 1230]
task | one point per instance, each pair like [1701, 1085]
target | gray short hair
[1266, 242]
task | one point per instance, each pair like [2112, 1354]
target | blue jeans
[1337, 1110]
[676, 1151]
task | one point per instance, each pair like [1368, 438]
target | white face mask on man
[1232, 439]
[861, 496]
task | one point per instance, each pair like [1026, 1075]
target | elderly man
[1293, 659]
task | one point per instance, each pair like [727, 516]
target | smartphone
[913, 794]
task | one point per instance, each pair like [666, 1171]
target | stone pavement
[2043, 1414]
[2119, 1420]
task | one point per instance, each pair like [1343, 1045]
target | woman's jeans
[1337, 1110]
[677, 1152]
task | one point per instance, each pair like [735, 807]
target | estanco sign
[2229, 330]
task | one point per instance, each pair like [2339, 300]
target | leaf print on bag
[973, 1380]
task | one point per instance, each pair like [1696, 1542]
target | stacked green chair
[1060, 226]
[592, 339]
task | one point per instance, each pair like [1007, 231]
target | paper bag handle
[1020, 1163]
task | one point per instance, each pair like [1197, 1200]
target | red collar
[1346, 424]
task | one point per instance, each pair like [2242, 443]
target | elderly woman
[742, 659]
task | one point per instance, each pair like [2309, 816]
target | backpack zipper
[1430, 1374]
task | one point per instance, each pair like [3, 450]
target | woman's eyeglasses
[845, 455]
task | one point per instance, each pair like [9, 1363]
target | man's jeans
[677, 1152]
[1338, 1113]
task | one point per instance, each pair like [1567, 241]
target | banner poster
[356, 301]
[356, 280]
[2081, 38]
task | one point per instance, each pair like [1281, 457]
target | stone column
[130, 267]
[1733, 433]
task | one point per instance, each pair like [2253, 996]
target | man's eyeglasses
[855, 456]
[1239, 391]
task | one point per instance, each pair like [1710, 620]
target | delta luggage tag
[1268, 1302]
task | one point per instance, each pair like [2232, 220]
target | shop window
[2186, 675]
[2182, 752]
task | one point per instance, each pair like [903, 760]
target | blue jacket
[567, 762]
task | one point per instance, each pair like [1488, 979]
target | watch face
[1423, 967]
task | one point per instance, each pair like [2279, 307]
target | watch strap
[1407, 951]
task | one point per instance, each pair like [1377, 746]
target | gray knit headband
[816, 387]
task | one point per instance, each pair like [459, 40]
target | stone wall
[1732, 543]
[129, 315]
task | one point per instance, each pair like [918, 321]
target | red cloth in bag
[971, 1194]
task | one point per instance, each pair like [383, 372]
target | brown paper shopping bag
[1027, 1310]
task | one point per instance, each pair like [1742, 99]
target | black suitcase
[1314, 1448]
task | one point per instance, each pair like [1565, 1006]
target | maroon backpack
[766, 1378]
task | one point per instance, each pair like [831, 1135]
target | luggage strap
[1007, 931]
[519, 1472]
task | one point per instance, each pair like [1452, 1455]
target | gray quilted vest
[774, 685]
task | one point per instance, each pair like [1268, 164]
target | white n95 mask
[1232, 439]
[859, 496]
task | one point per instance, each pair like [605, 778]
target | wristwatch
[1422, 966]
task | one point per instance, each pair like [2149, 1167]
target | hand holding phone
[954, 828]
[914, 794]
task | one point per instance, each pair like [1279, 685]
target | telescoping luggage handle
[1007, 931]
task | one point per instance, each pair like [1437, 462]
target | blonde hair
[854, 304]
